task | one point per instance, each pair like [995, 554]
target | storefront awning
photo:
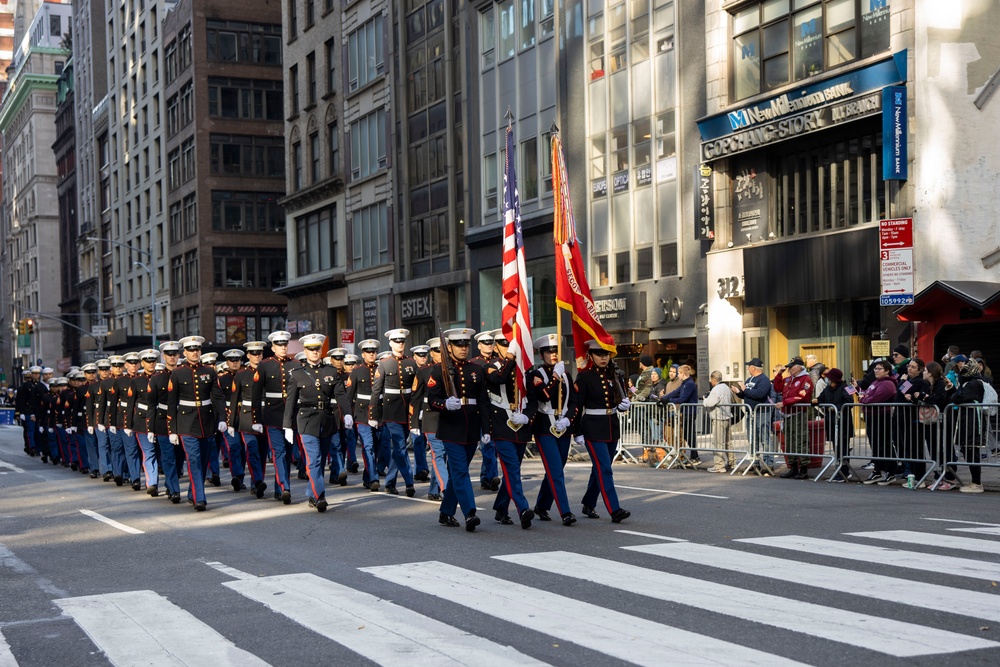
[947, 295]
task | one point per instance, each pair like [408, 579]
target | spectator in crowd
[909, 434]
[816, 369]
[878, 421]
[838, 431]
[684, 398]
[967, 421]
[900, 359]
[659, 384]
[931, 406]
[644, 385]
[796, 396]
[756, 391]
[672, 384]
[718, 403]
[984, 368]
[949, 358]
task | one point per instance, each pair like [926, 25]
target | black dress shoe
[235, 483]
[137, 485]
[259, 488]
[84, 471]
[620, 515]
[74, 467]
[391, 489]
[471, 522]
[486, 486]
[568, 519]
[225, 463]
[302, 475]
[495, 484]
[108, 476]
[175, 498]
[200, 506]
[119, 481]
[448, 520]
[410, 491]
[354, 468]
[542, 515]
[437, 497]
[45, 458]
[526, 517]
[423, 476]
[590, 513]
[94, 474]
[503, 518]
[286, 497]
[374, 486]
[153, 491]
[342, 478]
[126, 481]
[321, 505]
[216, 481]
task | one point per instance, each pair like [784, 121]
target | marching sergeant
[156, 420]
[394, 383]
[125, 388]
[245, 416]
[359, 387]
[550, 387]
[312, 409]
[139, 420]
[273, 372]
[489, 479]
[598, 398]
[510, 438]
[194, 407]
[464, 419]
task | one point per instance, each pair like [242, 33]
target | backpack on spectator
[990, 396]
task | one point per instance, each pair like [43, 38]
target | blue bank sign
[850, 96]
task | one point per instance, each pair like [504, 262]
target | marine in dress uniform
[464, 419]
[489, 478]
[359, 390]
[348, 437]
[394, 383]
[78, 423]
[421, 472]
[40, 390]
[63, 414]
[168, 454]
[195, 412]
[87, 427]
[212, 464]
[236, 452]
[246, 414]
[125, 388]
[107, 415]
[425, 420]
[21, 402]
[598, 398]
[509, 427]
[312, 410]
[97, 425]
[273, 373]
[139, 421]
[550, 387]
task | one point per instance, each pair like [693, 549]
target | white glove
[222, 427]
[59, 425]
[52, 430]
[562, 424]
[348, 421]
[289, 436]
[453, 403]
[113, 429]
[231, 431]
[100, 427]
[259, 428]
[174, 439]
[559, 369]
[578, 439]
[519, 418]
[33, 418]
[22, 417]
[486, 439]
[373, 423]
[128, 432]
[90, 430]
[624, 405]
[415, 431]
[151, 437]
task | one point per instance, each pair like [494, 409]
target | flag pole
[553, 144]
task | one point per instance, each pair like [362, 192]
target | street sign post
[347, 340]
[99, 330]
[895, 245]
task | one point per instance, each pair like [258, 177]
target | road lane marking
[679, 493]
[974, 523]
[975, 604]
[111, 522]
[951, 565]
[376, 629]
[229, 571]
[6, 657]
[4, 464]
[143, 627]
[655, 537]
[12, 562]
[992, 530]
[931, 540]
[606, 631]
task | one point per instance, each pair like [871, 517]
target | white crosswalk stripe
[912, 560]
[931, 540]
[144, 628]
[613, 633]
[989, 530]
[882, 635]
[379, 630]
[6, 657]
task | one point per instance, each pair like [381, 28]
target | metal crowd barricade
[768, 430]
[690, 427]
[896, 437]
[968, 437]
[640, 426]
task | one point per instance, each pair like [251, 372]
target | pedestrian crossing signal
[147, 321]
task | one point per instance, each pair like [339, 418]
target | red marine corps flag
[516, 318]
[572, 290]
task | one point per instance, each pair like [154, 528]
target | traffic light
[31, 326]
[147, 321]
[22, 327]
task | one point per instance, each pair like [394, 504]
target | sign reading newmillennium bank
[850, 96]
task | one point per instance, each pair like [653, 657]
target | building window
[293, 90]
[235, 325]
[508, 29]
[487, 37]
[297, 166]
[368, 152]
[331, 69]
[310, 13]
[316, 241]
[187, 160]
[257, 268]
[247, 155]
[490, 180]
[239, 41]
[293, 19]
[315, 157]
[245, 99]
[311, 79]
[527, 178]
[333, 137]
[776, 42]
[370, 231]
[365, 53]
[193, 321]
[191, 271]
[235, 211]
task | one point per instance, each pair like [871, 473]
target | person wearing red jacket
[796, 395]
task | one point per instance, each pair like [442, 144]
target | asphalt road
[375, 580]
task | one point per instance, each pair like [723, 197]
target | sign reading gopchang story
[704, 203]
[895, 245]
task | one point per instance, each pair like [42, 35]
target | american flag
[515, 315]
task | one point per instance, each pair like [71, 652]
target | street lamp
[152, 279]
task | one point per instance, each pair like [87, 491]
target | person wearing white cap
[424, 421]
[21, 403]
[235, 454]
[218, 440]
[86, 428]
[600, 396]
[156, 421]
[421, 472]
[273, 372]
[195, 411]
[348, 436]
[550, 386]
[76, 426]
[125, 386]
[486, 355]
[39, 392]
[461, 400]
[394, 383]
[312, 409]
[107, 408]
[138, 422]
[359, 390]
[245, 408]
